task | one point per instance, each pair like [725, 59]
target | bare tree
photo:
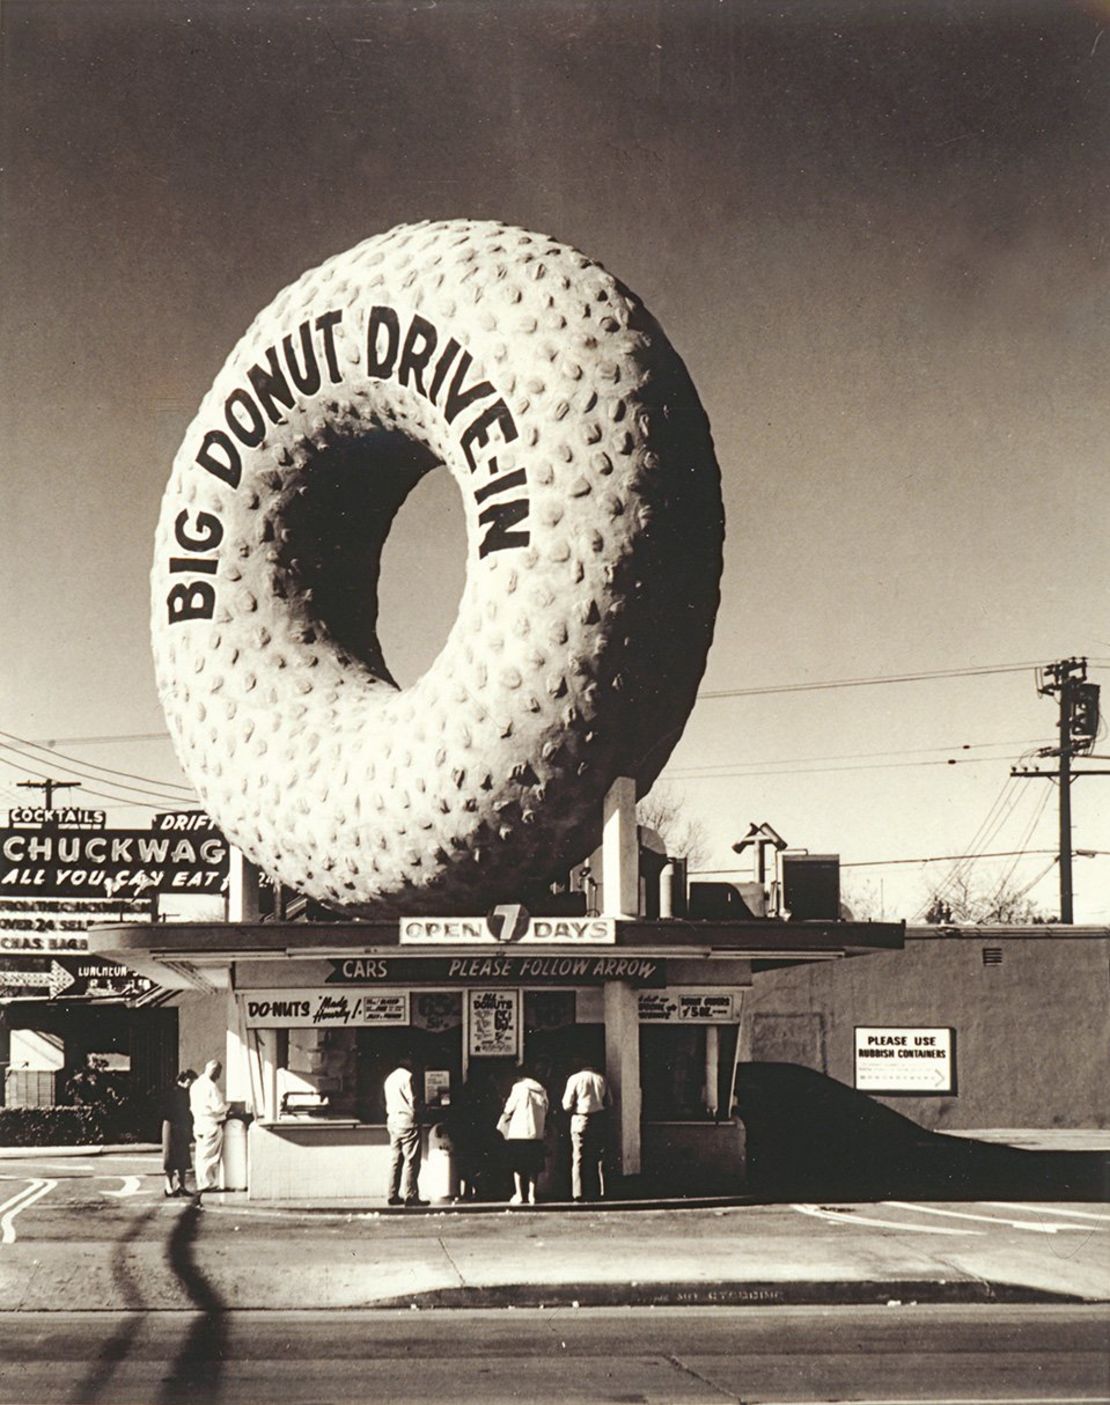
[863, 899]
[664, 810]
[959, 899]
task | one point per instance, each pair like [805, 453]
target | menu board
[670, 1006]
[494, 1023]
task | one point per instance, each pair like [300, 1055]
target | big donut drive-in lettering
[273, 388]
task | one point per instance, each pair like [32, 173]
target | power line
[946, 858]
[82, 768]
[984, 671]
[683, 772]
[101, 741]
[727, 772]
[937, 858]
[165, 801]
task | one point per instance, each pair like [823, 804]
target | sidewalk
[144, 1253]
[174, 1257]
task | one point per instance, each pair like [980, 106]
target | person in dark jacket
[177, 1133]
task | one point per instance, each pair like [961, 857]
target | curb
[800, 1293]
[233, 1201]
[33, 1153]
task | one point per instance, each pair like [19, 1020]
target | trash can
[439, 1176]
[233, 1159]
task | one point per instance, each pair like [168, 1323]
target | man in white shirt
[402, 1121]
[209, 1115]
[586, 1098]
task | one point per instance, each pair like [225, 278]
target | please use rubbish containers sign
[897, 1060]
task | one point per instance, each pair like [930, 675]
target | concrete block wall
[202, 1028]
[1032, 1032]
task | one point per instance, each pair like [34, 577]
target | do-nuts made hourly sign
[890, 1060]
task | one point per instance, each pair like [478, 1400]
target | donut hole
[334, 525]
[423, 572]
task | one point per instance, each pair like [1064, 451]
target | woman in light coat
[522, 1125]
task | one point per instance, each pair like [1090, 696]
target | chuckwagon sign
[104, 863]
[47, 924]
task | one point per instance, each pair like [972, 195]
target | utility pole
[1078, 727]
[48, 787]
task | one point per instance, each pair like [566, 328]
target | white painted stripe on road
[970, 1400]
[20, 1194]
[131, 1186]
[55, 1166]
[843, 1217]
[1047, 1210]
[38, 1189]
[1033, 1226]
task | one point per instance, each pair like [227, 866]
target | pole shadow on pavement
[196, 1370]
[116, 1348]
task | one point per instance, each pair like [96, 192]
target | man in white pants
[586, 1099]
[209, 1115]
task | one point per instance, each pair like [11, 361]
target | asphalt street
[115, 1294]
[681, 1356]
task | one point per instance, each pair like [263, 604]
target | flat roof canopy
[198, 954]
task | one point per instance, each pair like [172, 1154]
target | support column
[620, 851]
[237, 1080]
[242, 887]
[712, 1065]
[267, 1048]
[622, 1069]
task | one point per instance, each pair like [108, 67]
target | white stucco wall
[1032, 1033]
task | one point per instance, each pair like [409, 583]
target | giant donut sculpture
[594, 528]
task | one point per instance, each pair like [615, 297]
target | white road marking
[976, 1400]
[839, 1217]
[1034, 1226]
[35, 1191]
[131, 1186]
[1047, 1210]
[27, 1189]
[60, 1166]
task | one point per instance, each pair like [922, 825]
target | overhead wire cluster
[117, 787]
[129, 789]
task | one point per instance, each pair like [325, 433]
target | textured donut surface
[594, 530]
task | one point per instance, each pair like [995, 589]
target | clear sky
[877, 234]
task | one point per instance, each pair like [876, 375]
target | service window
[672, 1072]
[686, 1071]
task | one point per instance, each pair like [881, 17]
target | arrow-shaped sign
[60, 979]
[55, 980]
[25, 978]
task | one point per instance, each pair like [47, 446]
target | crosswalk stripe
[854, 1219]
[1033, 1226]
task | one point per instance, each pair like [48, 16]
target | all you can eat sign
[897, 1060]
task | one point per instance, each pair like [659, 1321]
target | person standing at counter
[402, 1121]
[209, 1111]
[586, 1098]
[522, 1125]
[177, 1133]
